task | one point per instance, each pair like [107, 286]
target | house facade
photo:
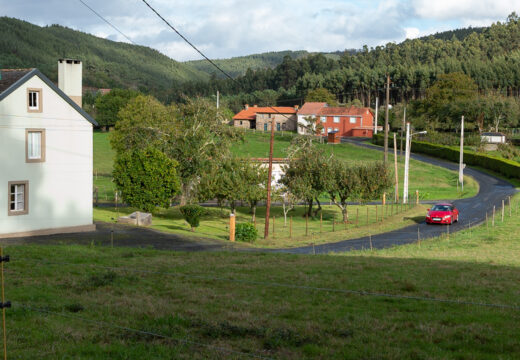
[348, 122]
[45, 153]
[261, 118]
[309, 110]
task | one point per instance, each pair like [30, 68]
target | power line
[142, 332]
[108, 22]
[283, 285]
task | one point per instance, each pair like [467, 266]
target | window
[278, 126]
[323, 119]
[34, 100]
[265, 127]
[352, 120]
[18, 198]
[283, 126]
[329, 130]
[240, 122]
[336, 119]
[34, 145]
[323, 131]
[336, 129]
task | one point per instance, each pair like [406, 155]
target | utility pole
[402, 131]
[386, 115]
[218, 99]
[377, 108]
[461, 164]
[406, 164]
[395, 169]
[269, 177]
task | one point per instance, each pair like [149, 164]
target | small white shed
[493, 138]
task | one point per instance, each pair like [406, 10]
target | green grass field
[215, 224]
[88, 302]
[432, 182]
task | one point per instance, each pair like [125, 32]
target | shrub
[246, 232]
[192, 214]
[146, 178]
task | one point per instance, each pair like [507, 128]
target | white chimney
[70, 79]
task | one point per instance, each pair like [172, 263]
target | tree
[341, 183]
[108, 106]
[288, 200]
[374, 179]
[253, 177]
[321, 95]
[146, 178]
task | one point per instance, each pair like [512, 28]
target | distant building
[308, 110]
[260, 118]
[493, 138]
[46, 142]
[348, 122]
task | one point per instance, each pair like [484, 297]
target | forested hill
[106, 63]
[490, 56]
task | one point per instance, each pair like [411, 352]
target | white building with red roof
[308, 110]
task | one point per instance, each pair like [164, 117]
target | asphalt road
[472, 212]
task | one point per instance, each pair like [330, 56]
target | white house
[308, 110]
[493, 138]
[45, 153]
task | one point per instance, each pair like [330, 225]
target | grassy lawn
[86, 302]
[433, 183]
[215, 224]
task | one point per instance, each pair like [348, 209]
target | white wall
[302, 123]
[60, 189]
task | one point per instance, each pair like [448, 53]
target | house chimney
[246, 106]
[70, 79]
[296, 107]
[256, 105]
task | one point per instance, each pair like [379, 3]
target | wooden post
[416, 197]
[290, 227]
[370, 240]
[448, 231]
[395, 170]
[232, 227]
[384, 198]
[509, 202]
[487, 223]
[493, 220]
[502, 210]
[321, 221]
[367, 215]
[307, 224]
[96, 193]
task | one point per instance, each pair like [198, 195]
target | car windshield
[441, 208]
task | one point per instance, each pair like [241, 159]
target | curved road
[472, 211]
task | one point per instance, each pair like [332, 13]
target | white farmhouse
[45, 153]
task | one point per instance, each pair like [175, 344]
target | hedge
[508, 168]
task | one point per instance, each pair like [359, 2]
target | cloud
[239, 27]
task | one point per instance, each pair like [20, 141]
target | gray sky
[229, 28]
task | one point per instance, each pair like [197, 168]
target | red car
[442, 214]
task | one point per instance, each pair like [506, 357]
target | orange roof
[250, 113]
[311, 108]
[343, 111]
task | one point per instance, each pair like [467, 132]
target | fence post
[357, 217]
[367, 214]
[321, 220]
[384, 198]
[290, 227]
[416, 197]
[370, 240]
[493, 221]
[333, 222]
[502, 210]
[509, 202]
[274, 235]
[307, 224]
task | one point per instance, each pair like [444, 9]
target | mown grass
[320, 229]
[103, 154]
[273, 305]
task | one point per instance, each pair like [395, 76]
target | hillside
[107, 64]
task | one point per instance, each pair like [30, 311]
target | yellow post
[416, 197]
[232, 227]
[384, 198]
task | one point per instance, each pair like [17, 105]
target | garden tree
[288, 200]
[194, 134]
[108, 106]
[500, 111]
[305, 174]
[373, 180]
[192, 214]
[341, 183]
[146, 178]
[321, 95]
[253, 176]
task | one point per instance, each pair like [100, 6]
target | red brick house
[348, 122]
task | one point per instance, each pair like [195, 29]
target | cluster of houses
[343, 121]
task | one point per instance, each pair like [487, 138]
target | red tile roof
[311, 108]
[250, 113]
[343, 111]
